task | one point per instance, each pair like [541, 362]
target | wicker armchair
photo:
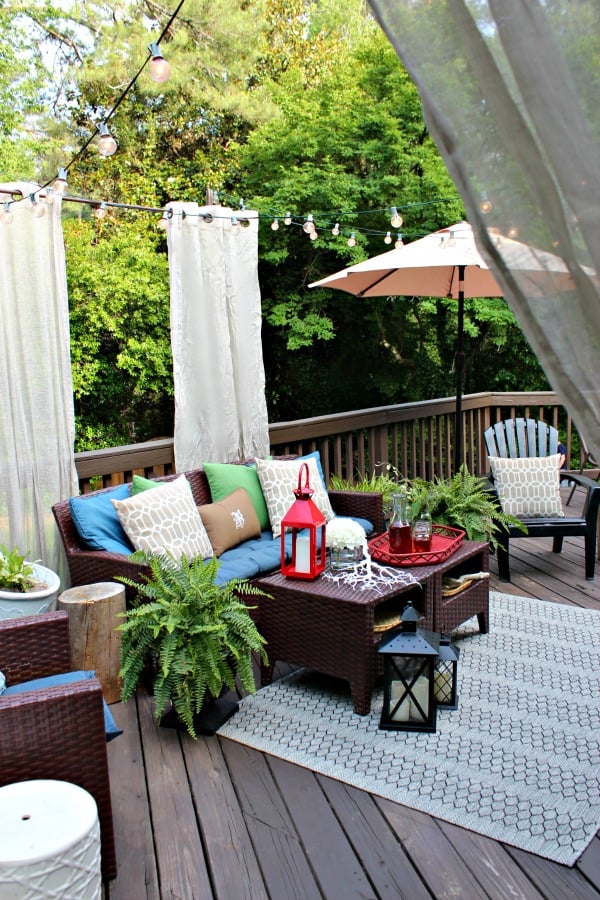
[57, 732]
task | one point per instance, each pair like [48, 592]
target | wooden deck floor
[213, 819]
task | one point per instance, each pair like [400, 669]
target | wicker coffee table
[332, 627]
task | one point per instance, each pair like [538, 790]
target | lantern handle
[305, 491]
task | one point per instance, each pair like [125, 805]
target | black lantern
[409, 659]
[306, 523]
[445, 682]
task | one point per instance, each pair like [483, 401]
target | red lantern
[306, 523]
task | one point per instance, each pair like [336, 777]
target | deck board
[213, 820]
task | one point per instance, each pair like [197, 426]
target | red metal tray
[444, 542]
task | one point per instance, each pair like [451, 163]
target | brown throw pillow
[230, 521]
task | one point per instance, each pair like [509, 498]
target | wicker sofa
[88, 566]
[55, 732]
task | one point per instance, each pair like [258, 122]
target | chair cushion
[279, 478]
[97, 522]
[528, 486]
[165, 521]
[224, 478]
[37, 684]
[139, 484]
[230, 521]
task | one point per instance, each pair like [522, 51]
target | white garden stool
[49, 842]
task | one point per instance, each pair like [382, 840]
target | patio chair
[585, 457]
[527, 438]
[54, 732]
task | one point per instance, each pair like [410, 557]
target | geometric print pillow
[528, 487]
[165, 520]
[278, 479]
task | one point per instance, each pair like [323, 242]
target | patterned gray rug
[518, 761]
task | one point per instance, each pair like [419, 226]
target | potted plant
[26, 587]
[384, 483]
[461, 501]
[198, 633]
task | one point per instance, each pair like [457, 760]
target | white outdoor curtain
[37, 421]
[219, 379]
[510, 93]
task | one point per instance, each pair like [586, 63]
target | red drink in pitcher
[400, 539]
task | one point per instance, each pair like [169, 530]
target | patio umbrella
[447, 263]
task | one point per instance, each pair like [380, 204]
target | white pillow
[278, 479]
[165, 520]
[528, 487]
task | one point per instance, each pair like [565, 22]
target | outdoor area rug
[518, 761]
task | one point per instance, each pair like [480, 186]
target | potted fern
[461, 501]
[26, 587]
[199, 634]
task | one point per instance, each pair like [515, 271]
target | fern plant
[199, 632]
[461, 502]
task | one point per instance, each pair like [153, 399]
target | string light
[288, 219]
[399, 242]
[164, 220]
[60, 185]
[352, 240]
[396, 220]
[336, 229]
[485, 205]
[275, 225]
[100, 211]
[107, 145]
[37, 209]
[313, 235]
[513, 232]
[235, 223]
[451, 240]
[388, 238]
[6, 215]
[309, 225]
[158, 67]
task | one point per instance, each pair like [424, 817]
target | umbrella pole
[459, 366]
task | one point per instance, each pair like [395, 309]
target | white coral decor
[343, 532]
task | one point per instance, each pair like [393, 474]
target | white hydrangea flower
[343, 532]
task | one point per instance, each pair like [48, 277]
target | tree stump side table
[95, 644]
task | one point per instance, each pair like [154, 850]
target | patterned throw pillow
[230, 521]
[528, 487]
[165, 521]
[278, 479]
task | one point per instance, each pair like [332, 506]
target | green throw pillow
[140, 484]
[225, 478]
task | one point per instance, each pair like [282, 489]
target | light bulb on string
[336, 229]
[396, 219]
[513, 232]
[485, 204]
[399, 242]
[314, 235]
[164, 220]
[60, 185]
[288, 219]
[100, 211]
[158, 67]
[451, 240]
[37, 209]
[275, 225]
[235, 224]
[107, 145]
[388, 238]
[352, 240]
[6, 215]
[309, 224]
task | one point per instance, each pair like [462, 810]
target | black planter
[211, 717]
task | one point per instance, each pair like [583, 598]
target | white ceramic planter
[14, 605]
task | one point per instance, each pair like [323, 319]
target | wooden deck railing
[415, 438]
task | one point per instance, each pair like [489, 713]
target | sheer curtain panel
[219, 379]
[510, 94]
[36, 401]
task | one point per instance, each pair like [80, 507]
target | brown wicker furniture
[57, 732]
[331, 627]
[88, 566]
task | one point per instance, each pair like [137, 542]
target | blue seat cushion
[36, 684]
[97, 522]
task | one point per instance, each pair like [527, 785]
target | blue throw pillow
[97, 522]
[110, 726]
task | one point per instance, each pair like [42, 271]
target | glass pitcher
[399, 532]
